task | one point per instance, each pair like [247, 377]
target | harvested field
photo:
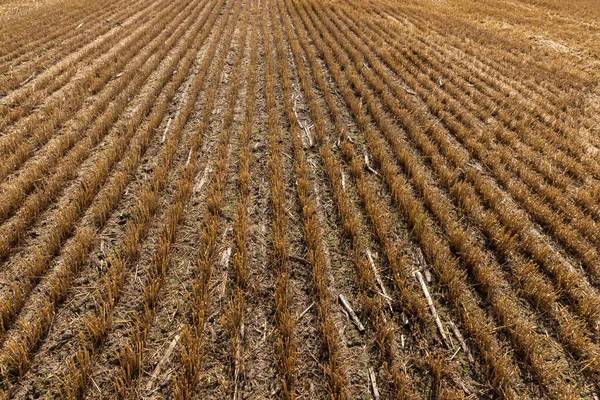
[299, 199]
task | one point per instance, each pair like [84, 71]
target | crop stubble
[188, 191]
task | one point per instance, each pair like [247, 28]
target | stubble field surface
[299, 199]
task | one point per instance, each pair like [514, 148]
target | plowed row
[206, 199]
